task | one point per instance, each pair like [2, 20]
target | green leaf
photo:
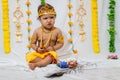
[42, 1]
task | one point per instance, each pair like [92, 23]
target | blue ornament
[62, 64]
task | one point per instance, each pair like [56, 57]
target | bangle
[53, 48]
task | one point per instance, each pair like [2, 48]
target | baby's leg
[36, 60]
[40, 62]
[44, 62]
[32, 64]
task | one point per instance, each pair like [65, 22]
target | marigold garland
[29, 21]
[95, 39]
[5, 24]
[111, 30]
[70, 23]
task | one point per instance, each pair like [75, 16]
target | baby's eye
[45, 18]
[51, 17]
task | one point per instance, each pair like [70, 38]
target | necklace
[47, 31]
[41, 39]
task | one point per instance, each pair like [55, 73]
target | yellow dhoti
[32, 55]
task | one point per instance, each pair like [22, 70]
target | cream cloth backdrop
[18, 50]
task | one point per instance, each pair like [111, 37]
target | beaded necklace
[41, 38]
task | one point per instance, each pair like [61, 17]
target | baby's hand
[49, 49]
[41, 50]
[45, 50]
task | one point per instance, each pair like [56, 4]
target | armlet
[33, 40]
[60, 39]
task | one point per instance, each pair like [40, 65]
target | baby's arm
[60, 41]
[33, 42]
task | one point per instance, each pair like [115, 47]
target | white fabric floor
[87, 70]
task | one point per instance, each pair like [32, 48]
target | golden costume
[31, 56]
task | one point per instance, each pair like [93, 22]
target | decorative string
[5, 26]
[29, 21]
[95, 38]
[70, 23]
[80, 17]
[111, 30]
[18, 19]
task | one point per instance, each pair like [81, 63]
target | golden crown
[46, 9]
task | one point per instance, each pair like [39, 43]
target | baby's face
[47, 20]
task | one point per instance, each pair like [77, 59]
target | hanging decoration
[29, 21]
[18, 19]
[95, 37]
[70, 23]
[5, 24]
[81, 16]
[111, 30]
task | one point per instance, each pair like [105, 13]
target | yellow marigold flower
[70, 40]
[97, 50]
[28, 12]
[70, 31]
[28, 46]
[69, 5]
[70, 23]
[28, 28]
[69, 14]
[75, 51]
[29, 21]
[28, 3]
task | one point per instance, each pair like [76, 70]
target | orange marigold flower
[70, 31]
[70, 40]
[28, 3]
[28, 12]
[69, 5]
[28, 28]
[29, 21]
[29, 37]
[70, 23]
[69, 14]
[75, 51]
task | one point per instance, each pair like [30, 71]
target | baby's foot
[32, 66]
